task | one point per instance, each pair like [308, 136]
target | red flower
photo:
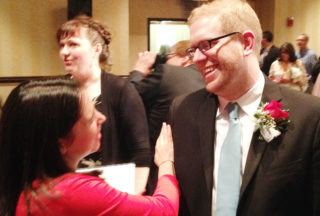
[274, 109]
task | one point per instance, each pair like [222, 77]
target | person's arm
[144, 78]
[145, 62]
[302, 80]
[164, 158]
[89, 195]
[272, 72]
[316, 88]
[141, 179]
[135, 134]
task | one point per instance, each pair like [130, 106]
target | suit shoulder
[175, 68]
[305, 103]
[196, 97]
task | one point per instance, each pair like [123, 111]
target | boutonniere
[271, 120]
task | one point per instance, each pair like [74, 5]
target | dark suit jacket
[160, 88]
[281, 177]
[157, 91]
[271, 57]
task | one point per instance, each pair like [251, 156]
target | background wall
[27, 39]
[28, 45]
[306, 18]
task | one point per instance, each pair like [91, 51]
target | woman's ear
[63, 145]
[98, 48]
[248, 42]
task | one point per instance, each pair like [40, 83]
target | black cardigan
[125, 132]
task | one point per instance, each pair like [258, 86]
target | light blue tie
[228, 188]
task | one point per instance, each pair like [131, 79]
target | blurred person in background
[289, 71]
[306, 55]
[269, 52]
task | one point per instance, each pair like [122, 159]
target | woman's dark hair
[35, 116]
[288, 48]
[96, 32]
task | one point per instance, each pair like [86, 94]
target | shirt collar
[268, 47]
[250, 101]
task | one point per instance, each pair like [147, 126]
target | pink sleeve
[88, 195]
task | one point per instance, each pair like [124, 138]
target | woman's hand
[164, 146]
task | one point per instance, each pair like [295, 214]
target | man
[307, 56]
[160, 87]
[178, 55]
[280, 176]
[269, 53]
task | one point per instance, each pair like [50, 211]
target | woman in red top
[46, 128]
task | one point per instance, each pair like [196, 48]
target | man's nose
[198, 56]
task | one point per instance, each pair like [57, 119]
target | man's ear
[248, 41]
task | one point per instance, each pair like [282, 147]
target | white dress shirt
[248, 104]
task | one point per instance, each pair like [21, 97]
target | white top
[248, 104]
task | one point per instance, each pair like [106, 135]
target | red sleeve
[86, 195]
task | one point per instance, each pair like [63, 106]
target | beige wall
[115, 14]
[27, 39]
[306, 17]
[265, 12]
[6, 88]
[141, 10]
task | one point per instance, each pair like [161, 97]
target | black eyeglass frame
[190, 51]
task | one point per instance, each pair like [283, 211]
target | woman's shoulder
[275, 65]
[116, 85]
[276, 62]
[112, 79]
[72, 180]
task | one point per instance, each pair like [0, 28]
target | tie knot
[233, 110]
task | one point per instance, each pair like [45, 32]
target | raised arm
[144, 78]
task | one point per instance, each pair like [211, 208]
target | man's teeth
[208, 70]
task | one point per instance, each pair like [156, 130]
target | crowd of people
[222, 128]
[295, 69]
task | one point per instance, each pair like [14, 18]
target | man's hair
[235, 16]
[180, 48]
[305, 36]
[268, 36]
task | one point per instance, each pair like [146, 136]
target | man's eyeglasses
[204, 46]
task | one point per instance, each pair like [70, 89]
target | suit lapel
[257, 147]
[207, 115]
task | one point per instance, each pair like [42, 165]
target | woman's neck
[93, 84]
[93, 89]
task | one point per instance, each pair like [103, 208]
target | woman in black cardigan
[84, 49]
